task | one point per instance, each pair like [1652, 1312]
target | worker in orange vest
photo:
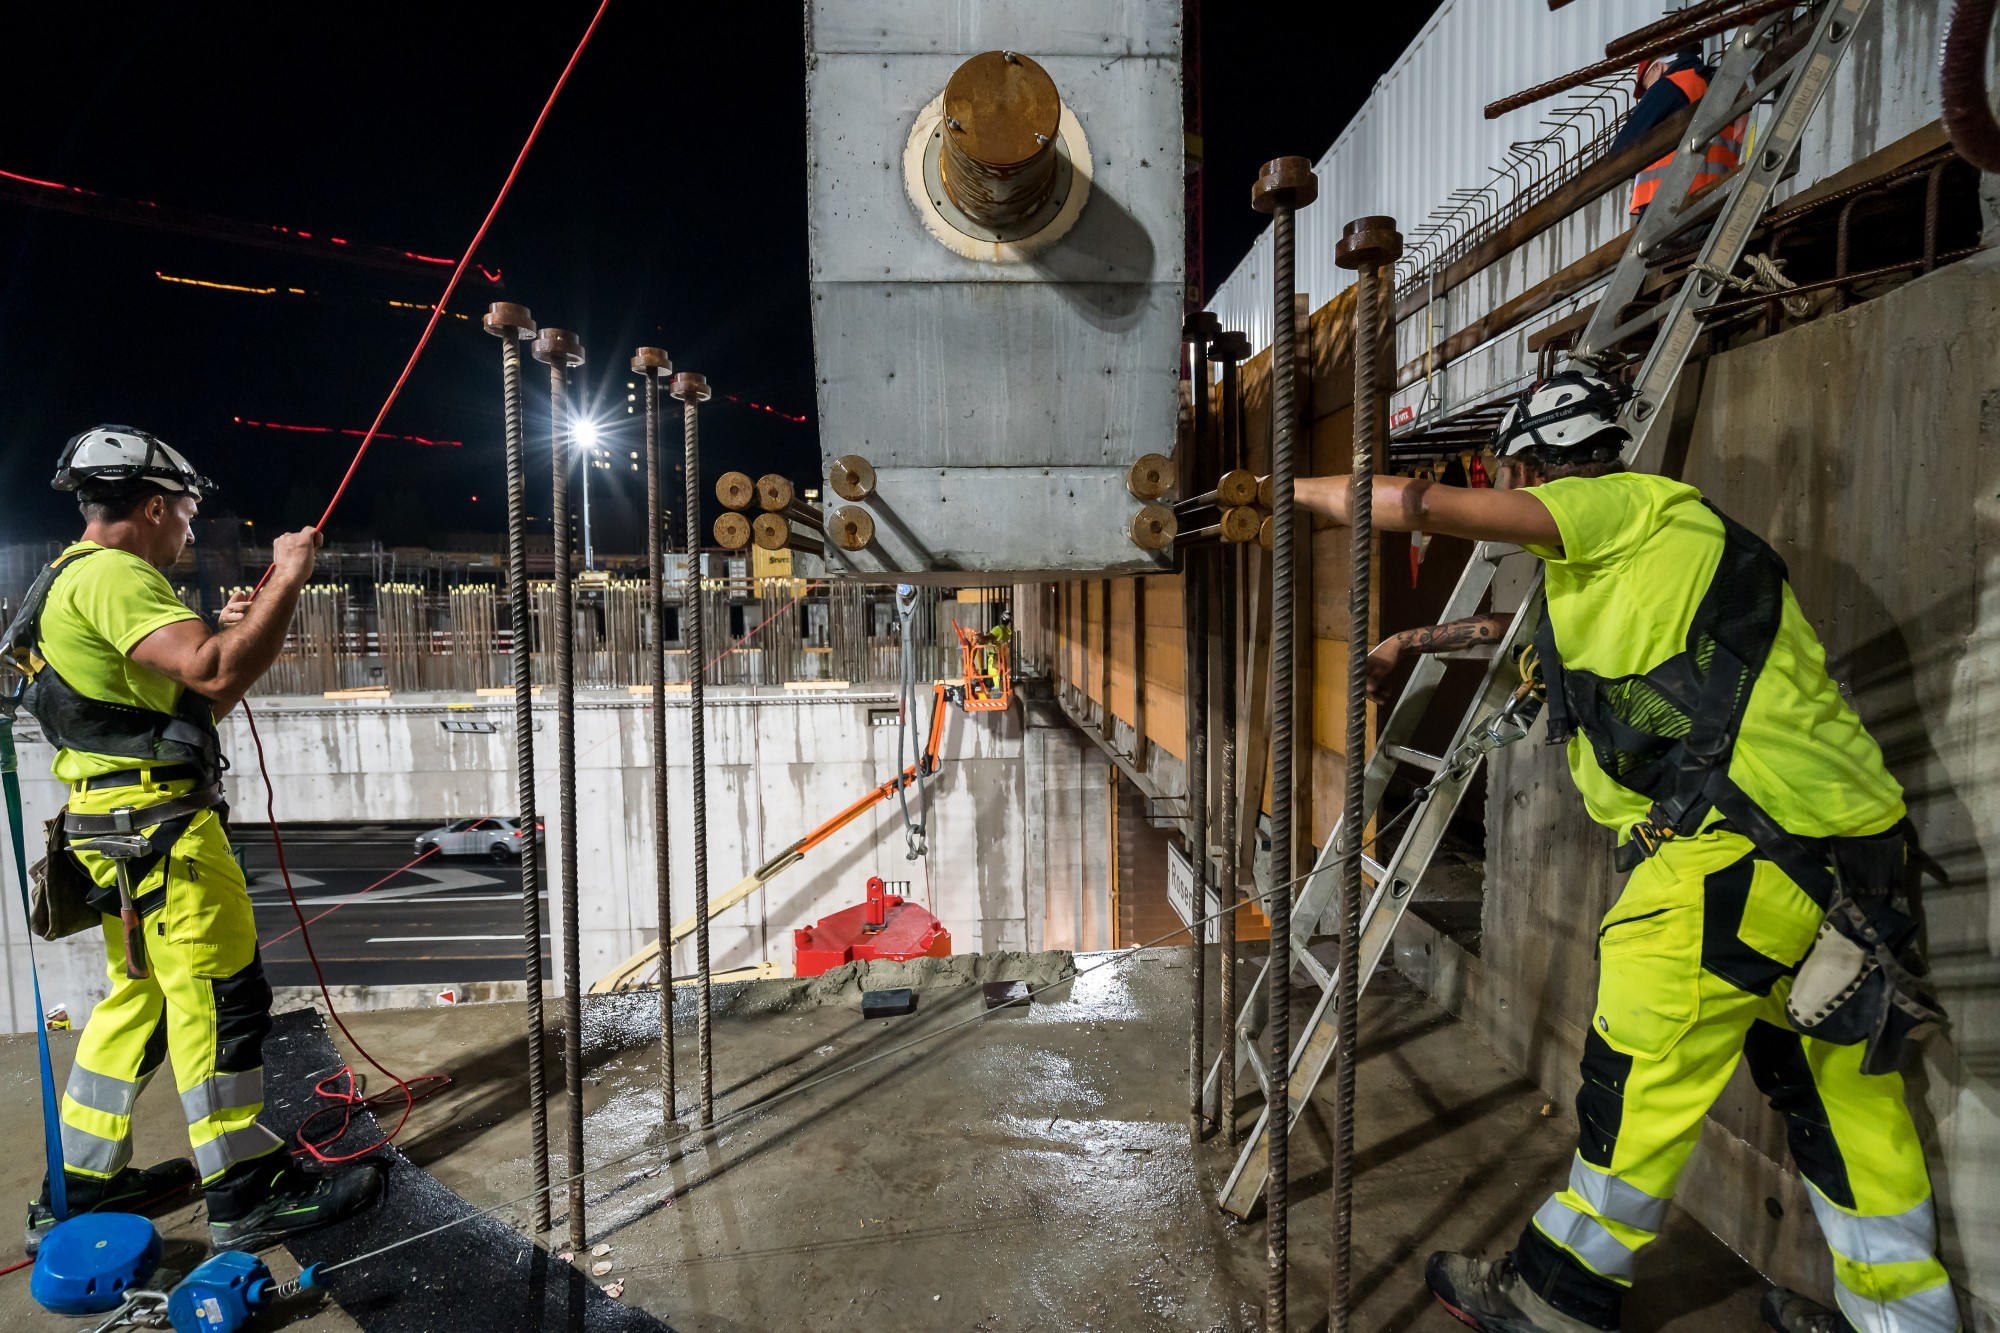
[1661, 88]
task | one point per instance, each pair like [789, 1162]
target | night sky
[664, 204]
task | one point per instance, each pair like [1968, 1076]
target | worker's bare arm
[1445, 638]
[1410, 504]
[222, 667]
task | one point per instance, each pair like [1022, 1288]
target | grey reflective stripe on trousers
[1932, 1310]
[1615, 1199]
[101, 1092]
[238, 1145]
[224, 1092]
[1585, 1237]
[1897, 1238]
[85, 1152]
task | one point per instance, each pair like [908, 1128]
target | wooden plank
[1138, 587]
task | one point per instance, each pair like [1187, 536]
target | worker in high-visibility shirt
[127, 684]
[1661, 88]
[1759, 824]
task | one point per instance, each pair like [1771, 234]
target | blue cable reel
[87, 1264]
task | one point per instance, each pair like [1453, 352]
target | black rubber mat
[482, 1276]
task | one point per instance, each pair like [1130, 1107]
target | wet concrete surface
[1028, 1170]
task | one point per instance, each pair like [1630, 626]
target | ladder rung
[1404, 754]
[1484, 654]
[1374, 869]
[1314, 968]
[1255, 1059]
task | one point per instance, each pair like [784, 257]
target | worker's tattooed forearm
[1452, 636]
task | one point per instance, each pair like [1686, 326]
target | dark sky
[663, 204]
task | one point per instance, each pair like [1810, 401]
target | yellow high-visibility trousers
[1697, 957]
[206, 1003]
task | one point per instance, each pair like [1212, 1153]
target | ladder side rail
[1751, 193]
[1657, 223]
[1404, 717]
[1384, 912]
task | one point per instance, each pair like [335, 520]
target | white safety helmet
[111, 457]
[1565, 411]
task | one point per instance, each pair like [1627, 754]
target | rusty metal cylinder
[774, 493]
[732, 531]
[1001, 116]
[772, 532]
[735, 490]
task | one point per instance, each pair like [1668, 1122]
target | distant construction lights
[339, 430]
[245, 289]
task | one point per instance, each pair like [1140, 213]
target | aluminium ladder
[1731, 209]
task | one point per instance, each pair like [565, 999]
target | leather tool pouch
[1865, 981]
[59, 891]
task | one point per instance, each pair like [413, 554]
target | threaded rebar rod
[521, 664]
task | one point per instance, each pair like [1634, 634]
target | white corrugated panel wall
[1423, 134]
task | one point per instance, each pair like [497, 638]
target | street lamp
[586, 438]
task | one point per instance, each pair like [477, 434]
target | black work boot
[1488, 1295]
[148, 1191]
[293, 1202]
[1788, 1312]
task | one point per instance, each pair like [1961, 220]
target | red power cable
[464, 262]
[348, 1100]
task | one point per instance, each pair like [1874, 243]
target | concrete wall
[779, 765]
[1866, 447]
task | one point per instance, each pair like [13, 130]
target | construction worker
[1659, 89]
[127, 683]
[1753, 810]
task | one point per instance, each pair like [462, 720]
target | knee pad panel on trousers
[242, 1018]
[1777, 1061]
[1726, 899]
[1600, 1102]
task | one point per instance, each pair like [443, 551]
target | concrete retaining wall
[779, 764]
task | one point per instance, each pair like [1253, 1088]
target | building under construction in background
[976, 893]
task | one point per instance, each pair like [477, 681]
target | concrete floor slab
[1028, 1172]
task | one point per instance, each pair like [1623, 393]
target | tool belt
[63, 900]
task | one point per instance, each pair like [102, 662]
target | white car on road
[496, 837]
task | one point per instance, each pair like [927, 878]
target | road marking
[438, 939]
[420, 902]
[439, 879]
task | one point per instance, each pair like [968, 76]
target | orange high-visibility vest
[1725, 150]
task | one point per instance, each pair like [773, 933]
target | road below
[444, 920]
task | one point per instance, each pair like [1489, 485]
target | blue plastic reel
[85, 1264]
[222, 1295]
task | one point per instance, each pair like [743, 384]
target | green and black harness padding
[1670, 734]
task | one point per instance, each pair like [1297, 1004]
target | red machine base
[885, 927]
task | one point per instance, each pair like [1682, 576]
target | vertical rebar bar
[693, 390]
[512, 324]
[1233, 347]
[561, 350]
[649, 364]
[1368, 245]
[1195, 595]
[1284, 185]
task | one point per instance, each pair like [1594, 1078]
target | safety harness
[170, 746]
[1670, 734]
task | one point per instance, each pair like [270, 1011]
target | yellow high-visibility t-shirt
[99, 608]
[1637, 555]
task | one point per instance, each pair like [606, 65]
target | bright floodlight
[586, 434]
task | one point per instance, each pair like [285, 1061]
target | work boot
[295, 1202]
[1788, 1312]
[1488, 1295]
[148, 1191]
